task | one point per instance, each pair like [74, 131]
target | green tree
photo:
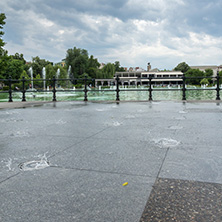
[194, 73]
[93, 66]
[108, 70]
[220, 75]
[183, 67]
[38, 64]
[4, 58]
[2, 22]
[78, 60]
[14, 68]
[24, 73]
[62, 75]
[19, 57]
[50, 73]
[209, 73]
[204, 81]
[3, 53]
[117, 67]
[38, 83]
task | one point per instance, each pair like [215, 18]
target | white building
[203, 68]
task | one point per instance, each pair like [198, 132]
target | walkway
[68, 161]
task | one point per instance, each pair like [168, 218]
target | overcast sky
[134, 32]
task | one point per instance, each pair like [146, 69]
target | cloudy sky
[134, 32]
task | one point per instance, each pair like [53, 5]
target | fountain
[31, 74]
[43, 76]
[57, 73]
[69, 72]
[57, 76]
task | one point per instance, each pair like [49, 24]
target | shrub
[5, 88]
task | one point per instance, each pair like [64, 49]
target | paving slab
[68, 161]
[56, 194]
[181, 200]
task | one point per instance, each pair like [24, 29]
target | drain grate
[34, 165]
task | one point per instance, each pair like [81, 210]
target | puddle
[100, 110]
[11, 112]
[11, 120]
[116, 123]
[35, 164]
[20, 134]
[181, 118]
[182, 112]
[9, 165]
[60, 122]
[130, 117]
[175, 127]
[166, 143]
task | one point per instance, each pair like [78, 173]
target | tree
[62, 75]
[38, 64]
[108, 70]
[204, 82]
[117, 67]
[220, 75]
[50, 73]
[93, 66]
[194, 73]
[3, 53]
[14, 68]
[19, 57]
[78, 60]
[209, 73]
[183, 67]
[3, 64]
[24, 73]
[2, 22]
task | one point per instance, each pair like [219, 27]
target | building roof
[204, 67]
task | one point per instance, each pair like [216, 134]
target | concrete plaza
[68, 161]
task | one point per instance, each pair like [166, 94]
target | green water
[107, 95]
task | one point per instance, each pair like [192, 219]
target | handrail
[86, 80]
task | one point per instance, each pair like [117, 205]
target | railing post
[184, 87]
[10, 89]
[218, 86]
[23, 89]
[150, 88]
[54, 89]
[85, 89]
[117, 88]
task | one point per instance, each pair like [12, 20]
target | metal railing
[86, 81]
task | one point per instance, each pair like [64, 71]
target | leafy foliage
[2, 22]
[14, 68]
[38, 64]
[108, 70]
[194, 73]
[183, 67]
[220, 75]
[78, 60]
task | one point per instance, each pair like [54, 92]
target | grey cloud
[109, 29]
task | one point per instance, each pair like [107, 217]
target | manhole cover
[34, 165]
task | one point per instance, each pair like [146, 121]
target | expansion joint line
[162, 163]
[9, 177]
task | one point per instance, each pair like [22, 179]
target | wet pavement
[68, 161]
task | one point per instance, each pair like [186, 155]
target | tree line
[196, 76]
